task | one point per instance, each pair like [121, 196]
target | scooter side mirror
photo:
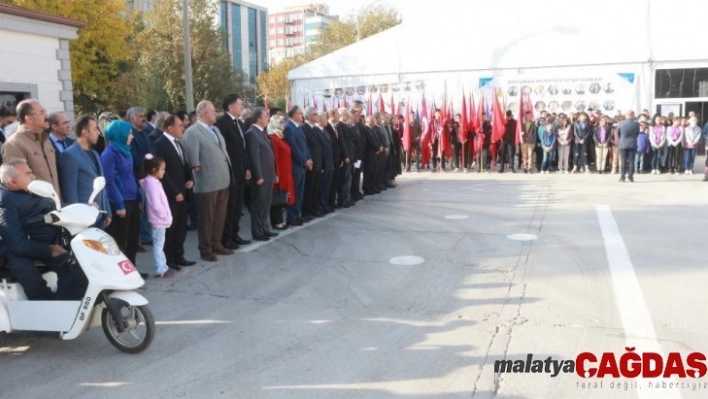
[98, 184]
[46, 190]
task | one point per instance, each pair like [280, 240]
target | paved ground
[321, 311]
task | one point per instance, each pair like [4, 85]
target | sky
[343, 8]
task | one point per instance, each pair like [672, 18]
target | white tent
[465, 45]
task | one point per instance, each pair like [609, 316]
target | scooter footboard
[130, 297]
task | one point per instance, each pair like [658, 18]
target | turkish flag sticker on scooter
[126, 267]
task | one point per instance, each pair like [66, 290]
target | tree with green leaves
[99, 50]
[156, 75]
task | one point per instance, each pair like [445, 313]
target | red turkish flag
[371, 107]
[464, 128]
[381, 104]
[498, 119]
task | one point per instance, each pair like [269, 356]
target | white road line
[636, 319]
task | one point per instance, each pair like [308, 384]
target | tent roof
[468, 36]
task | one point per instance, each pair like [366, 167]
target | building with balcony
[292, 30]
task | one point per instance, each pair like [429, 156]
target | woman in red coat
[283, 169]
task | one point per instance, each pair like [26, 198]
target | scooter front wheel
[138, 329]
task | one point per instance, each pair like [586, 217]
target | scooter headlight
[106, 245]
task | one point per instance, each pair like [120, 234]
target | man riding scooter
[27, 238]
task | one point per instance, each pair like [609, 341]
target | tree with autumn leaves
[98, 52]
[123, 58]
[273, 85]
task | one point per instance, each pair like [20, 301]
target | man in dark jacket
[509, 143]
[27, 238]
[314, 175]
[627, 132]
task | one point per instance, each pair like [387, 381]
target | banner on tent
[609, 93]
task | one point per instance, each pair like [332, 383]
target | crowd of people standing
[169, 173]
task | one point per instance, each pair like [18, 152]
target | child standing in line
[158, 211]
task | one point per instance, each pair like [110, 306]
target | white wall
[31, 59]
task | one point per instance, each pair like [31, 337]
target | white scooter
[110, 299]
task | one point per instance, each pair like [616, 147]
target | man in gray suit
[627, 132]
[206, 153]
[260, 153]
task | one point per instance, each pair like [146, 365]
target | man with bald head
[29, 142]
[211, 168]
[59, 129]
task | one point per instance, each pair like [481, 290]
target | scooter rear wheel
[139, 329]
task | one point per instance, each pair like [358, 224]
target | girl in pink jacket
[158, 211]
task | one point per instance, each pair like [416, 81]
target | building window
[224, 14]
[681, 83]
[271, 20]
[281, 30]
[236, 49]
[252, 45]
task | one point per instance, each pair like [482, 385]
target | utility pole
[187, 57]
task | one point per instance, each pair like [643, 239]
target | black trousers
[27, 274]
[126, 230]
[325, 190]
[436, 144]
[334, 186]
[457, 148]
[507, 150]
[369, 172]
[415, 146]
[312, 191]
[261, 198]
[177, 233]
[627, 157]
[237, 193]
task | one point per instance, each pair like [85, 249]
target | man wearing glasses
[31, 143]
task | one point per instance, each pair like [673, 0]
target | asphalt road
[326, 311]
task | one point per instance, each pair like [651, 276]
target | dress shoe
[631, 179]
[271, 234]
[296, 222]
[261, 238]
[622, 179]
[241, 241]
[185, 263]
[330, 210]
[344, 205]
[208, 256]
[228, 244]
[174, 266]
[317, 215]
[169, 273]
[220, 250]
[281, 227]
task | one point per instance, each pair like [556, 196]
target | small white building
[34, 61]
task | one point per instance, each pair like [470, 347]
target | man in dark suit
[260, 152]
[340, 155]
[79, 166]
[301, 161]
[59, 128]
[176, 182]
[232, 128]
[349, 145]
[627, 132]
[159, 127]
[211, 170]
[357, 128]
[328, 154]
[313, 176]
